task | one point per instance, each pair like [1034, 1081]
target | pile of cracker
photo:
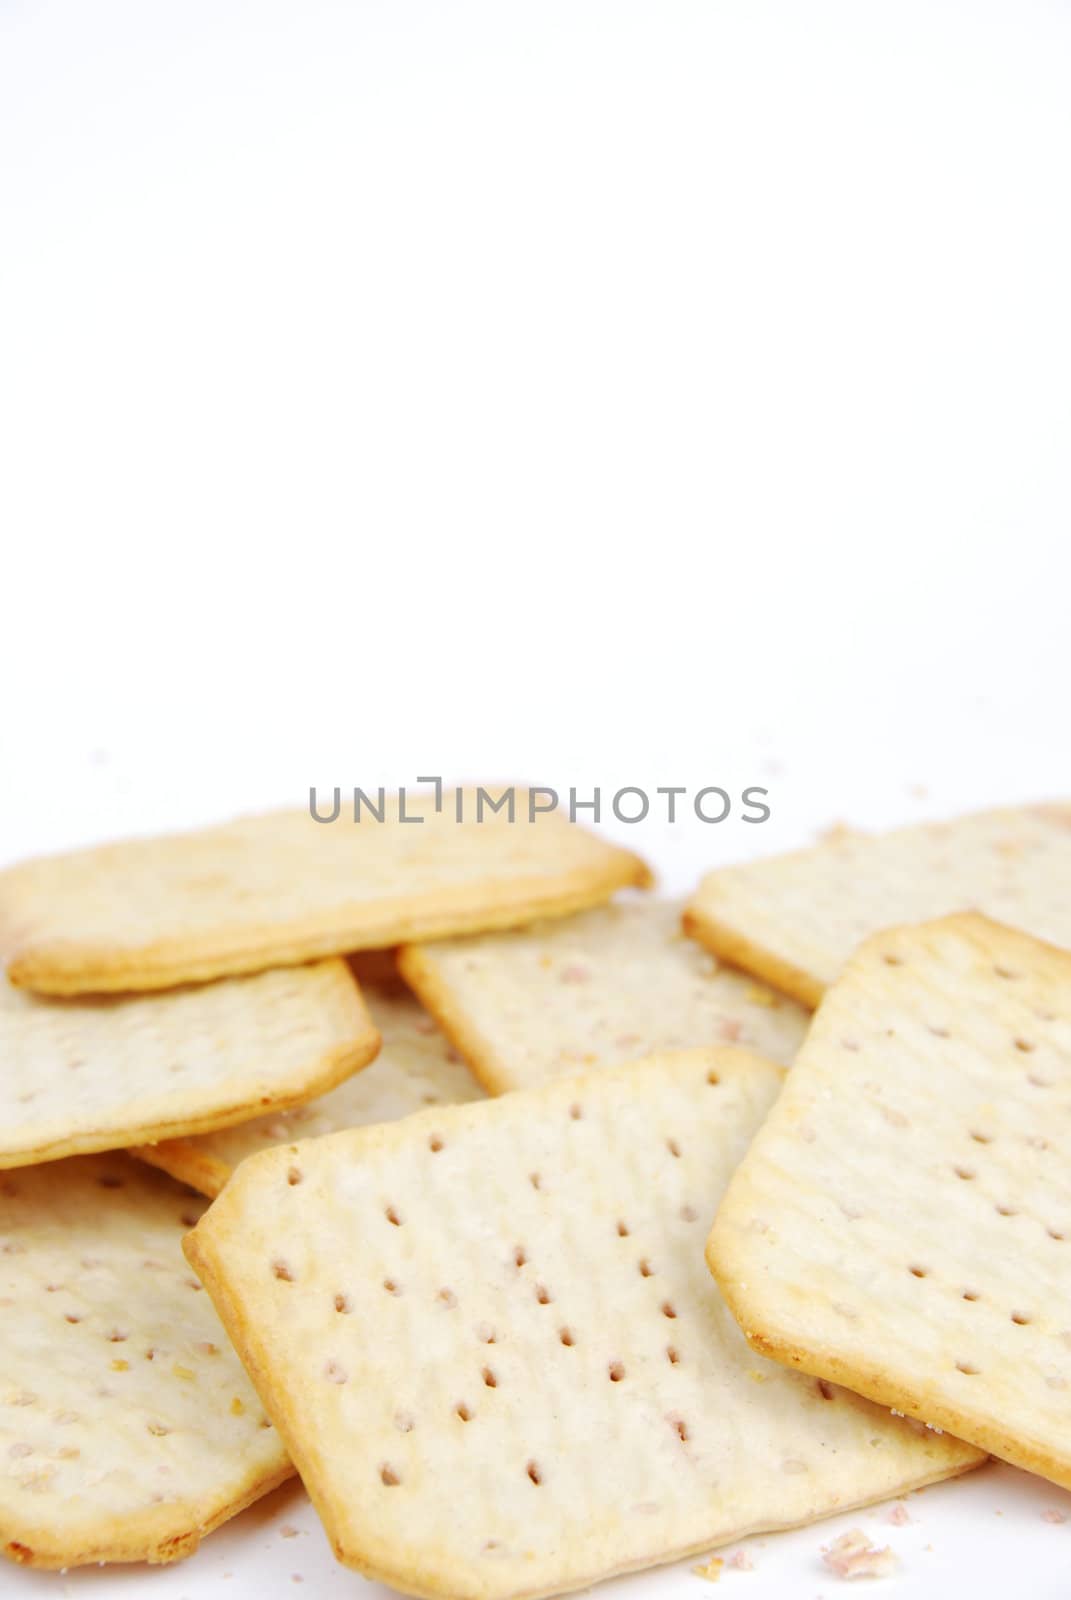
[549, 1230]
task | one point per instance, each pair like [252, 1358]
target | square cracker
[103, 1073]
[598, 989]
[795, 919]
[487, 1335]
[416, 1067]
[902, 1223]
[273, 890]
[128, 1428]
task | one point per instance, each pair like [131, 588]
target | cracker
[598, 989]
[488, 1337]
[273, 890]
[416, 1067]
[902, 1223]
[128, 1428]
[99, 1074]
[795, 919]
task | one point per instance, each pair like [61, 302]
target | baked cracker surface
[902, 1221]
[598, 989]
[488, 1336]
[416, 1067]
[795, 919]
[128, 1428]
[281, 888]
[103, 1073]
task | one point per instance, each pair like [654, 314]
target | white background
[592, 393]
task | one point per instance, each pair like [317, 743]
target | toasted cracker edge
[740, 951]
[158, 1537]
[437, 1000]
[183, 1160]
[53, 967]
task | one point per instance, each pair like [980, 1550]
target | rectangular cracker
[273, 890]
[103, 1073]
[598, 989]
[128, 1428]
[416, 1067]
[488, 1337]
[902, 1223]
[795, 919]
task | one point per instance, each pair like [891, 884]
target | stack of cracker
[188, 996]
[572, 1279]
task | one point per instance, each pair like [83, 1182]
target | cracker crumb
[730, 1029]
[711, 1571]
[741, 1561]
[288, 1531]
[1052, 1515]
[853, 1556]
[899, 1515]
